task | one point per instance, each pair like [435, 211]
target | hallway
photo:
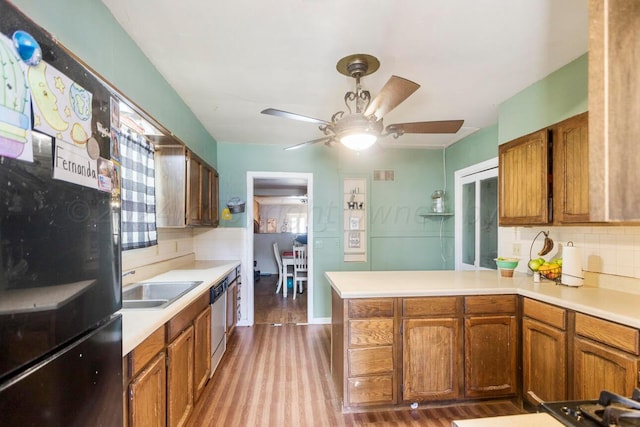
[271, 308]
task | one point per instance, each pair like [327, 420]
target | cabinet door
[205, 195]
[170, 174]
[490, 356]
[232, 312]
[202, 351]
[598, 367]
[180, 378]
[523, 175]
[431, 359]
[147, 395]
[194, 173]
[544, 361]
[215, 190]
[571, 170]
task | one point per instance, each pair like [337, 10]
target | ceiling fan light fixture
[358, 141]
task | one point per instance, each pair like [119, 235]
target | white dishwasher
[218, 301]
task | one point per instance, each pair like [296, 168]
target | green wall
[558, 96]
[398, 239]
[87, 28]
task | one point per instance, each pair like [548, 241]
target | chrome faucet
[128, 273]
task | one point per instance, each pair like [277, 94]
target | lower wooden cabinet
[490, 351]
[431, 365]
[180, 378]
[147, 395]
[201, 351]
[490, 346]
[164, 381]
[606, 357]
[544, 361]
[232, 303]
[598, 367]
[544, 351]
[363, 354]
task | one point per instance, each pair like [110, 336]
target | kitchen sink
[156, 295]
[149, 303]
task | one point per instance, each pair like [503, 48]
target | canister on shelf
[437, 201]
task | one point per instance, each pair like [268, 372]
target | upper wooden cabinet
[186, 189]
[523, 171]
[544, 176]
[570, 140]
[614, 108]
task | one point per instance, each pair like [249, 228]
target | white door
[476, 208]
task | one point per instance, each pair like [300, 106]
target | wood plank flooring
[271, 308]
[280, 376]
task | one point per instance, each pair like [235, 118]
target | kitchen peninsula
[402, 337]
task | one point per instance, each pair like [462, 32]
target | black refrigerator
[60, 277]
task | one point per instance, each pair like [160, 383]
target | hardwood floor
[280, 376]
[271, 308]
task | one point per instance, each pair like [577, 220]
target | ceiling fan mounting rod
[360, 99]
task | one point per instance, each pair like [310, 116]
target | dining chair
[283, 274]
[300, 272]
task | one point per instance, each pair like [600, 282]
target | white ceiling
[229, 60]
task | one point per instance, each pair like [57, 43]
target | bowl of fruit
[551, 270]
[507, 265]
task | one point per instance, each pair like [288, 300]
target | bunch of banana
[547, 246]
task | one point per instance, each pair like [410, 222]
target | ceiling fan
[361, 127]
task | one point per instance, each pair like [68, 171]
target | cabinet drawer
[545, 313]
[436, 306]
[374, 390]
[612, 334]
[490, 304]
[366, 308]
[367, 361]
[370, 332]
[145, 351]
[183, 319]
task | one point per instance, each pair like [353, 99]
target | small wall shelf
[432, 214]
[355, 219]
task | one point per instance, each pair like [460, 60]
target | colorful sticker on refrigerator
[115, 113]
[115, 146]
[15, 105]
[105, 175]
[61, 107]
[115, 181]
[73, 164]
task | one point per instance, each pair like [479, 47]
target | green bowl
[507, 263]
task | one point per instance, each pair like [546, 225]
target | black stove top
[609, 410]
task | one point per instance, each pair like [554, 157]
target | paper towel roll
[572, 274]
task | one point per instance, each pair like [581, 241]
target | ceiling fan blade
[324, 139]
[444, 126]
[392, 94]
[294, 116]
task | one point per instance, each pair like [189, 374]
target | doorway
[476, 220]
[280, 225]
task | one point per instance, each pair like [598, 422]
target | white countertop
[137, 325]
[524, 420]
[612, 305]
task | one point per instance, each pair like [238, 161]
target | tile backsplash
[611, 254]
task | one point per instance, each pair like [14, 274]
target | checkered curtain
[138, 195]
